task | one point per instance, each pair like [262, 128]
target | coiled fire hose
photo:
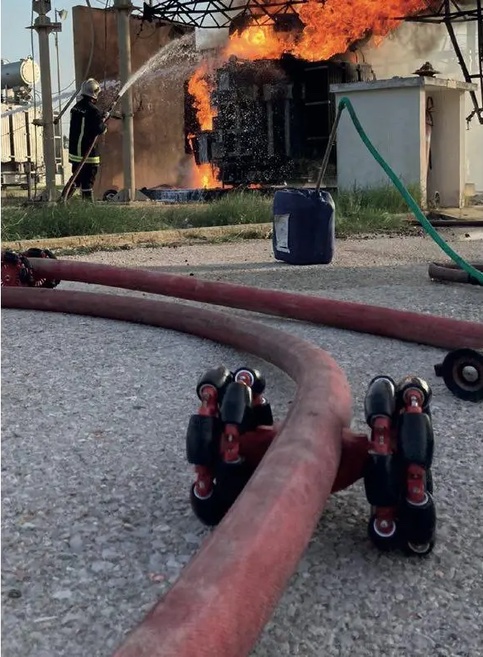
[474, 273]
[445, 271]
[242, 569]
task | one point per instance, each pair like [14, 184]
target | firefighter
[86, 123]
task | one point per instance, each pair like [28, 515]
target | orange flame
[200, 88]
[329, 29]
[205, 176]
[258, 42]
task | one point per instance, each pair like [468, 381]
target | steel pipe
[124, 9]
[44, 26]
[407, 326]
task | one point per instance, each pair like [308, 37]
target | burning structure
[271, 120]
[259, 110]
[256, 106]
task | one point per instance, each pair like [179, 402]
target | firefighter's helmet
[91, 88]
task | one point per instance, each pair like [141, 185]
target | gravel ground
[96, 521]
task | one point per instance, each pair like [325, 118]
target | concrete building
[418, 126]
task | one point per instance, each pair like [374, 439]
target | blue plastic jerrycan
[303, 226]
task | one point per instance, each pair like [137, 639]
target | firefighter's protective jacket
[86, 123]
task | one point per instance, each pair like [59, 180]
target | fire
[205, 176]
[330, 28]
[257, 42]
[200, 88]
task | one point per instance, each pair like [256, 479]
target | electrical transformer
[272, 119]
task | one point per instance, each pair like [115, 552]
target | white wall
[392, 119]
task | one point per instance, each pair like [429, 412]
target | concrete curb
[150, 238]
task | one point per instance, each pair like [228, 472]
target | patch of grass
[189, 237]
[78, 218]
[382, 200]
[358, 211]
[372, 223]
[255, 234]
[372, 211]
[94, 248]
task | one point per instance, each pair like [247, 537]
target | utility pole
[124, 8]
[62, 15]
[44, 26]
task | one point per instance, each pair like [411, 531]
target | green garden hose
[476, 275]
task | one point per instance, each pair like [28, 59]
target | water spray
[162, 58]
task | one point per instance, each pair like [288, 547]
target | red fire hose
[407, 326]
[225, 595]
[229, 589]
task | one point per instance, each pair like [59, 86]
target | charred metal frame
[219, 13]
[272, 122]
[238, 14]
[450, 12]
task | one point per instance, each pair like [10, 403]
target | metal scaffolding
[451, 12]
[219, 13]
[238, 14]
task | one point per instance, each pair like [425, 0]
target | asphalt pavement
[96, 519]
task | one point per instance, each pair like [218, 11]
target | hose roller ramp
[226, 594]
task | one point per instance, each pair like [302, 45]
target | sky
[16, 40]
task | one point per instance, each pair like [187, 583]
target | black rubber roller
[209, 510]
[380, 399]
[257, 416]
[231, 479]
[383, 534]
[236, 399]
[418, 526]
[462, 372]
[219, 378]
[415, 439]
[252, 378]
[261, 415]
[382, 480]
[414, 382]
[39, 253]
[42, 253]
[203, 440]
